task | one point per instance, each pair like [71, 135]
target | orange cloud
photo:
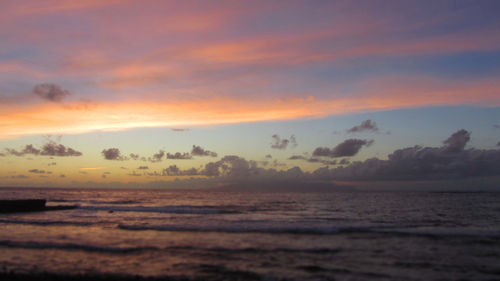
[384, 94]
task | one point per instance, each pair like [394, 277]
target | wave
[180, 209]
[37, 222]
[117, 202]
[72, 246]
[246, 229]
[314, 230]
[96, 202]
[125, 250]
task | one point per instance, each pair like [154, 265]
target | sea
[253, 235]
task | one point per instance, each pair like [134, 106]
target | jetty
[30, 205]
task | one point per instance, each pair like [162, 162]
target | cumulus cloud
[50, 92]
[367, 125]
[279, 143]
[113, 154]
[157, 157]
[178, 155]
[49, 149]
[456, 142]
[423, 163]
[143, 168]
[349, 147]
[198, 151]
[230, 165]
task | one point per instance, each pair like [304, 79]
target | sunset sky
[141, 93]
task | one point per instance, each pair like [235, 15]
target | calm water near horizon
[256, 235]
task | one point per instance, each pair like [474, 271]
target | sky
[289, 94]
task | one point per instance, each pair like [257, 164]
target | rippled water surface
[230, 235]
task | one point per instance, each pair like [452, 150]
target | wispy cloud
[349, 147]
[367, 125]
[279, 143]
[50, 92]
[207, 66]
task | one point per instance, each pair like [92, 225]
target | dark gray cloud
[498, 144]
[496, 126]
[28, 149]
[36, 171]
[344, 161]
[367, 125]
[297, 157]
[50, 92]
[173, 170]
[143, 168]
[423, 163]
[20, 177]
[113, 154]
[178, 155]
[54, 149]
[349, 147]
[49, 149]
[279, 143]
[456, 142]
[157, 157]
[198, 151]
[313, 160]
[230, 165]
[236, 172]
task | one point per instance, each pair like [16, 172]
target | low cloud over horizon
[451, 161]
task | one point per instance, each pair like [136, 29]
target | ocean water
[255, 235]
